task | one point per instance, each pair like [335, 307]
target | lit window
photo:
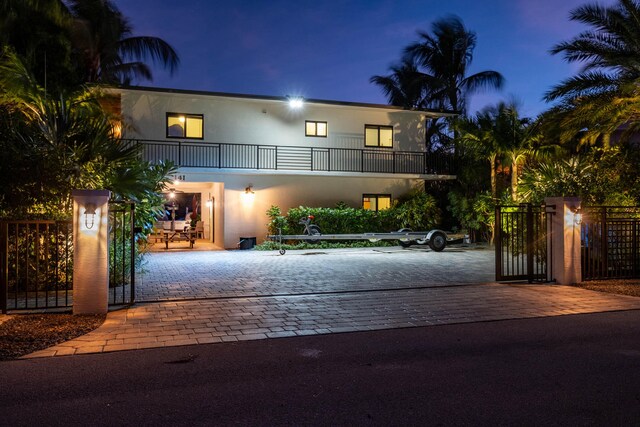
[185, 125]
[313, 128]
[378, 136]
[376, 202]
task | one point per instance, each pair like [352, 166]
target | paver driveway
[244, 295]
[215, 274]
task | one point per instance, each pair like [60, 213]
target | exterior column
[91, 251]
[563, 249]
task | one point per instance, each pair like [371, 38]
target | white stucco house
[244, 153]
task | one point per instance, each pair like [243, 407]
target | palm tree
[103, 37]
[445, 57]
[605, 94]
[499, 134]
[38, 31]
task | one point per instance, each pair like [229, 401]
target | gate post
[91, 251]
[563, 256]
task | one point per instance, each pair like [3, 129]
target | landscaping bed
[25, 333]
[616, 286]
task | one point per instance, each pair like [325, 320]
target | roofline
[442, 113]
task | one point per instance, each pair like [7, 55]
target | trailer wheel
[314, 230]
[282, 251]
[405, 243]
[438, 241]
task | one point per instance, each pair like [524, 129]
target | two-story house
[241, 154]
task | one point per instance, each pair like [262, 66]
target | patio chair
[158, 231]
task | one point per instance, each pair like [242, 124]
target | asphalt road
[565, 370]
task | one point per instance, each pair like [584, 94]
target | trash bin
[247, 242]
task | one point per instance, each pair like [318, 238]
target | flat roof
[441, 113]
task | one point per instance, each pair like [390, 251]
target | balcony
[292, 158]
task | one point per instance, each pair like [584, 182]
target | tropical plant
[50, 146]
[599, 176]
[604, 95]
[433, 75]
[416, 210]
[500, 135]
[110, 53]
[66, 43]
[445, 57]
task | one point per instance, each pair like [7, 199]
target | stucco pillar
[91, 251]
[563, 249]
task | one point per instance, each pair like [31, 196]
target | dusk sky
[329, 49]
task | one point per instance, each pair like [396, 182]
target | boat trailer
[436, 239]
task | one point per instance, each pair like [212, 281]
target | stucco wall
[269, 122]
[241, 215]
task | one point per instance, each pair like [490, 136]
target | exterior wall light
[296, 103]
[577, 215]
[249, 190]
[89, 215]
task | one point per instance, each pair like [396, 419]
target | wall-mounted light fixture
[89, 215]
[249, 189]
[577, 215]
[295, 102]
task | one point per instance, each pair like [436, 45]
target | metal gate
[122, 253]
[610, 236]
[521, 242]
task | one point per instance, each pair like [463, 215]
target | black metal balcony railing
[276, 157]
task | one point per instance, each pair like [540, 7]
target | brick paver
[232, 296]
[216, 274]
[236, 319]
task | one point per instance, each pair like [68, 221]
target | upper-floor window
[376, 202]
[315, 128]
[185, 125]
[378, 136]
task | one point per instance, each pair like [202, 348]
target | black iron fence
[36, 265]
[276, 157]
[521, 242]
[36, 261]
[610, 239]
[122, 253]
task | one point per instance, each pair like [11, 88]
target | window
[376, 202]
[185, 125]
[313, 128]
[378, 136]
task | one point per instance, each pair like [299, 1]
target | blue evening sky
[329, 49]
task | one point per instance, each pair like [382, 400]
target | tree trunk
[494, 184]
[514, 179]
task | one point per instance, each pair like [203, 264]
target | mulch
[23, 334]
[614, 286]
